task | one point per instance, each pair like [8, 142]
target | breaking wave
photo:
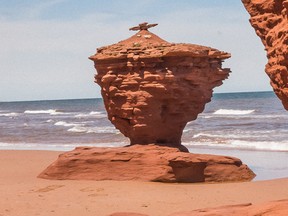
[245, 145]
[12, 114]
[65, 124]
[232, 135]
[81, 129]
[49, 111]
[91, 114]
[55, 146]
[232, 112]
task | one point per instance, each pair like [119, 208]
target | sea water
[251, 126]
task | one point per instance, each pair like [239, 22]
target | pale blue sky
[45, 44]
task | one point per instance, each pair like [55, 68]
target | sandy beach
[22, 193]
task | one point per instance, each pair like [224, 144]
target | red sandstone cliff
[270, 21]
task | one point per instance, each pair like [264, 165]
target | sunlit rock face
[146, 163]
[152, 88]
[270, 21]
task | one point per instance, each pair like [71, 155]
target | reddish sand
[23, 194]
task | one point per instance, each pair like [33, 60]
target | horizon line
[39, 100]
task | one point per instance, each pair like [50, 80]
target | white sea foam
[103, 130]
[232, 112]
[237, 135]
[95, 113]
[78, 129]
[270, 116]
[12, 114]
[81, 129]
[49, 111]
[270, 146]
[245, 145]
[65, 124]
[205, 135]
[242, 113]
[55, 146]
[91, 114]
[81, 115]
[206, 117]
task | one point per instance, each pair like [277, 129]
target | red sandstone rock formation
[146, 163]
[152, 88]
[270, 21]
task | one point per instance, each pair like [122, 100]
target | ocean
[251, 126]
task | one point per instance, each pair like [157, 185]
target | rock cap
[145, 44]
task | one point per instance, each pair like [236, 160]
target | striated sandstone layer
[270, 21]
[152, 88]
[146, 163]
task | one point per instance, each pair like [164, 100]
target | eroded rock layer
[146, 163]
[152, 88]
[270, 21]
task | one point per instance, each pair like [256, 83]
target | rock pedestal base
[146, 163]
